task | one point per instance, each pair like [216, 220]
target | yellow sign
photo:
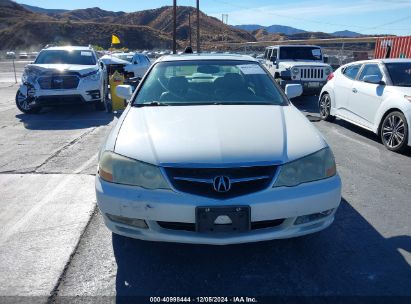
[115, 80]
[115, 39]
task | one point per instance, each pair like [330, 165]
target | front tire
[325, 108]
[394, 132]
[23, 104]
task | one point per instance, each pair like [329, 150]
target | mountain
[346, 34]
[88, 14]
[282, 29]
[23, 29]
[36, 9]
[212, 29]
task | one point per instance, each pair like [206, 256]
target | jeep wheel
[325, 108]
[23, 105]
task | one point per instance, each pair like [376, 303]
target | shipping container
[393, 47]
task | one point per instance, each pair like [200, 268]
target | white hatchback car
[375, 95]
[210, 150]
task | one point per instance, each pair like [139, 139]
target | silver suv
[62, 75]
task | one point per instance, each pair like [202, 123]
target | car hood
[44, 68]
[290, 64]
[217, 135]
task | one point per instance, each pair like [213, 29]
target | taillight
[331, 76]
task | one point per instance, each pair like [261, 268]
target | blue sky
[364, 16]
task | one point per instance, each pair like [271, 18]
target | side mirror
[273, 59]
[124, 91]
[293, 90]
[374, 79]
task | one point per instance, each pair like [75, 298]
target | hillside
[24, 30]
[160, 19]
[40, 10]
[272, 29]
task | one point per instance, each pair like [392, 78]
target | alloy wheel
[393, 131]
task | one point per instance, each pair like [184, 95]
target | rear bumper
[154, 206]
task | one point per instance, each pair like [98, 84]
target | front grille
[311, 73]
[200, 181]
[179, 226]
[59, 82]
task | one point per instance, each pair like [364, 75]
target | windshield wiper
[153, 103]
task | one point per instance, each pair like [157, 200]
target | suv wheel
[325, 108]
[394, 132]
[23, 105]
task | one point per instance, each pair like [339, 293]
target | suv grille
[312, 73]
[59, 82]
[205, 181]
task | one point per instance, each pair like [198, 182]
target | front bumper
[86, 92]
[170, 206]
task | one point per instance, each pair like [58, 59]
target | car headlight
[327, 71]
[93, 76]
[118, 169]
[316, 166]
[295, 70]
[30, 75]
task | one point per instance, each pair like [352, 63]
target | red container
[400, 47]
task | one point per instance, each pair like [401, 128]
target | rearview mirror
[124, 91]
[375, 79]
[293, 90]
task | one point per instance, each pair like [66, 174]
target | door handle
[355, 90]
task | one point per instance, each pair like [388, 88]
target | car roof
[188, 57]
[383, 60]
[69, 47]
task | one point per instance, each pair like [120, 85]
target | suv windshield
[400, 73]
[202, 82]
[300, 53]
[66, 57]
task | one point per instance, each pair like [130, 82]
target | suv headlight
[118, 169]
[30, 75]
[295, 70]
[316, 166]
[93, 76]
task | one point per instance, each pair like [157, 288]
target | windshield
[400, 73]
[126, 57]
[66, 57]
[301, 53]
[208, 82]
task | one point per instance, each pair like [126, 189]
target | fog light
[128, 221]
[312, 217]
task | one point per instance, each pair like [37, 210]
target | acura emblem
[222, 184]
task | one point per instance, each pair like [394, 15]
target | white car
[62, 75]
[210, 150]
[375, 95]
[139, 64]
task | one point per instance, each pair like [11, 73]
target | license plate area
[223, 219]
[313, 84]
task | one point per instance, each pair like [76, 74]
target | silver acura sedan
[211, 151]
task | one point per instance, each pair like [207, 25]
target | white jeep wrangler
[298, 64]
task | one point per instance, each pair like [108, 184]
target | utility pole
[198, 26]
[189, 28]
[174, 26]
